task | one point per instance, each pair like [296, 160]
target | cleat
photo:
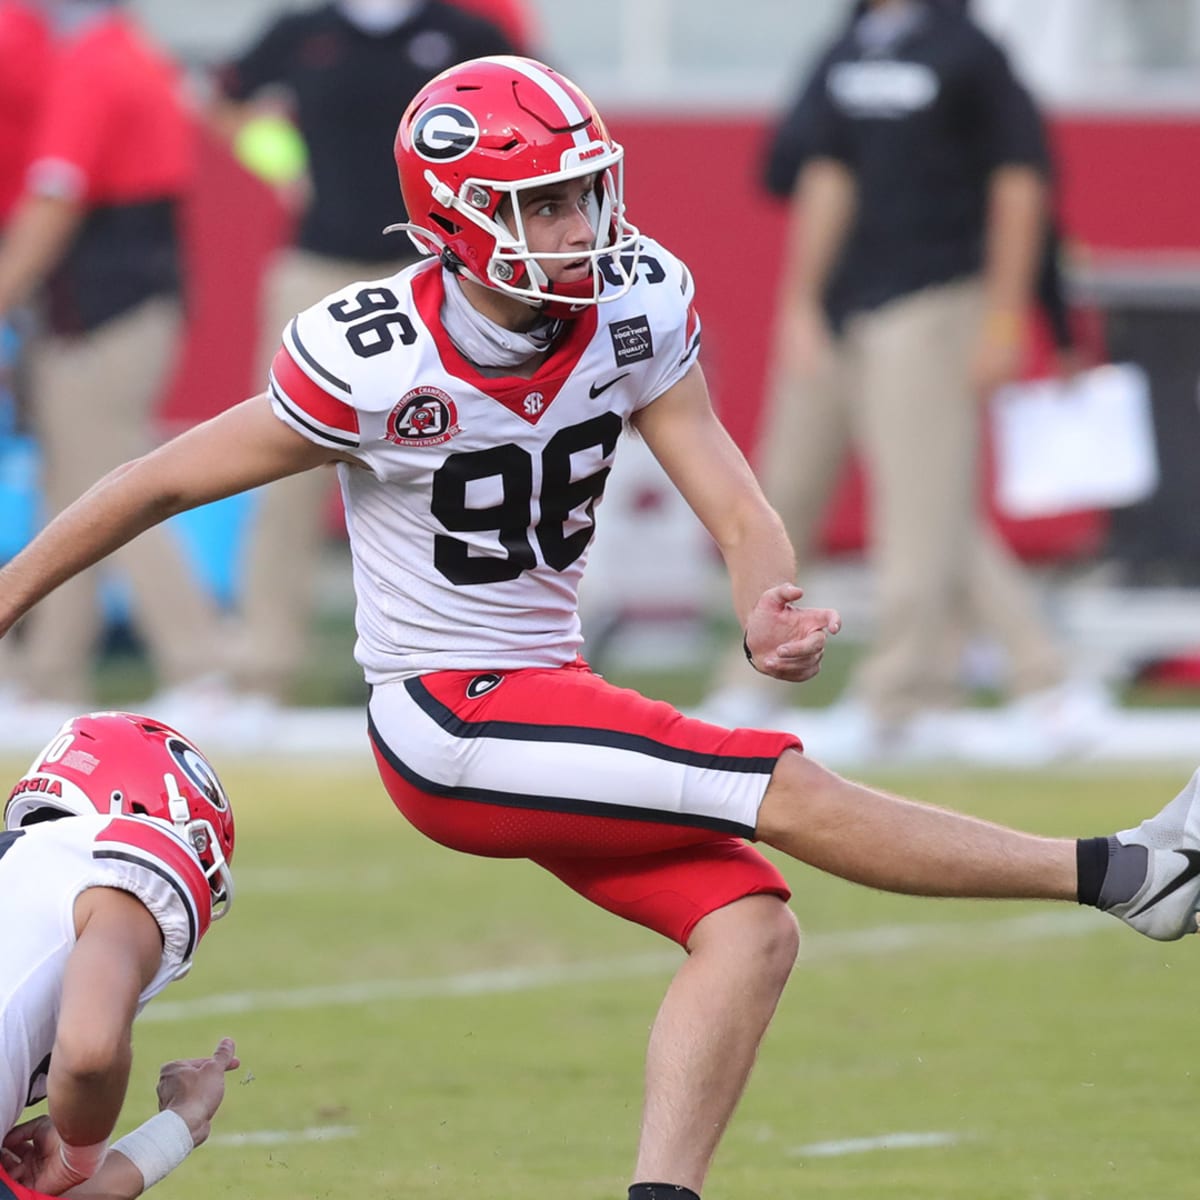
[1153, 879]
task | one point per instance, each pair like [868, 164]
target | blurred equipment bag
[1069, 445]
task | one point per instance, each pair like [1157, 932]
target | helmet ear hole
[40, 815]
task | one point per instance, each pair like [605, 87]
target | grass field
[457, 1026]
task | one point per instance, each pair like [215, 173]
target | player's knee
[760, 930]
[780, 933]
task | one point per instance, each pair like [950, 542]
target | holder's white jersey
[43, 870]
[471, 504]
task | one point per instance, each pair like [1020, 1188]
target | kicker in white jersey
[470, 501]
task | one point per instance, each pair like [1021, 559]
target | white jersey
[43, 870]
[472, 502]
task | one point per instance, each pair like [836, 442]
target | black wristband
[746, 650]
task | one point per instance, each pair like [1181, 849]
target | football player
[473, 404]
[114, 862]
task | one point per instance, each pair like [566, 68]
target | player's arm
[712, 475]
[117, 952]
[240, 449]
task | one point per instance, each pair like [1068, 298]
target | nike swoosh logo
[598, 389]
[1185, 876]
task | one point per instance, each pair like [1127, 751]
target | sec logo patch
[426, 416]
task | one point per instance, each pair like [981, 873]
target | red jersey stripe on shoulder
[157, 847]
[309, 398]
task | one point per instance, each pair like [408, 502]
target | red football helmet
[121, 763]
[477, 134]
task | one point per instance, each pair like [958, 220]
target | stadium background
[691, 94]
[684, 90]
[416, 1023]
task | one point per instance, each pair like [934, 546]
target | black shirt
[349, 91]
[120, 257]
[922, 124]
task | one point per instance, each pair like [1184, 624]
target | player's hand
[23, 1147]
[32, 1158]
[195, 1087]
[788, 642]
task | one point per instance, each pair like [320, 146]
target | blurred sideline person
[343, 73]
[917, 169]
[24, 59]
[114, 862]
[96, 227]
[473, 404]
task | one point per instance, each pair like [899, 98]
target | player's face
[559, 219]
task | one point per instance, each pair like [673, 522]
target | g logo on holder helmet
[445, 132]
[199, 773]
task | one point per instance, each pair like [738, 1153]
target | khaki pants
[898, 388]
[282, 556]
[92, 408]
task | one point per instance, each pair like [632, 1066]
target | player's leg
[1148, 876]
[727, 905]
[624, 800]
[706, 1035]
[883, 841]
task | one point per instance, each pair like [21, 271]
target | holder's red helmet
[122, 763]
[478, 134]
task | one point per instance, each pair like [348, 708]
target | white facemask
[377, 16]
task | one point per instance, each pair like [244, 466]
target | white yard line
[284, 1137]
[864, 1145]
[862, 943]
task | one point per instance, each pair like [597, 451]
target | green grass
[1061, 1065]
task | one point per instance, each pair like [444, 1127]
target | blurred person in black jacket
[343, 74]
[916, 166]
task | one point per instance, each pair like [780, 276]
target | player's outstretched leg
[884, 841]
[1151, 874]
[1148, 876]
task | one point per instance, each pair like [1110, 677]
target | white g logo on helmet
[445, 132]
